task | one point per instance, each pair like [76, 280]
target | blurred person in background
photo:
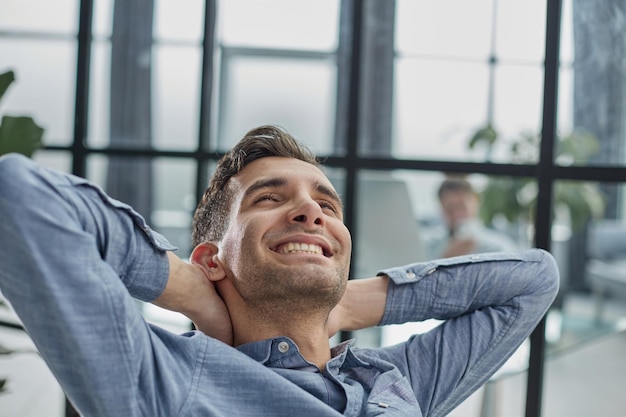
[466, 233]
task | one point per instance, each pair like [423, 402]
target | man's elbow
[548, 277]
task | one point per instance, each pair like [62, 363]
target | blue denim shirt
[73, 259]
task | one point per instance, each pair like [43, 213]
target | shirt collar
[343, 356]
[261, 351]
[279, 352]
[284, 353]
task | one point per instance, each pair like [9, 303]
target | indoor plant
[17, 133]
[514, 198]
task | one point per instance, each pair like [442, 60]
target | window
[143, 97]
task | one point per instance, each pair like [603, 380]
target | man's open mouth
[296, 247]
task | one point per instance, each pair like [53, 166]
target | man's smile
[302, 245]
[295, 247]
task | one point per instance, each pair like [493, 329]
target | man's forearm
[363, 304]
[490, 303]
[190, 292]
[186, 290]
[175, 295]
[448, 288]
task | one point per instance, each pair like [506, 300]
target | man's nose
[308, 212]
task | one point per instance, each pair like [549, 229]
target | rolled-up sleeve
[490, 303]
[72, 261]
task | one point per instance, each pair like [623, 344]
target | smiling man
[266, 286]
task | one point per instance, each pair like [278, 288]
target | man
[266, 285]
[466, 234]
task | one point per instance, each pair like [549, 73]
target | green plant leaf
[576, 148]
[5, 81]
[525, 149]
[20, 134]
[516, 199]
[487, 135]
[501, 197]
[584, 201]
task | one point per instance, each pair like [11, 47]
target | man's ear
[205, 256]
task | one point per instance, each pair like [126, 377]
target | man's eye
[328, 206]
[266, 197]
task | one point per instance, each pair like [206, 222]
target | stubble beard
[293, 290]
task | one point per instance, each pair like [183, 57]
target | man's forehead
[275, 166]
[283, 171]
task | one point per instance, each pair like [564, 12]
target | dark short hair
[210, 219]
[455, 184]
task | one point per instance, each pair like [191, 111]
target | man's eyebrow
[264, 183]
[279, 182]
[329, 192]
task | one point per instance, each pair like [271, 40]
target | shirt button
[283, 347]
[410, 275]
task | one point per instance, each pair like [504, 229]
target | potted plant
[17, 133]
[514, 198]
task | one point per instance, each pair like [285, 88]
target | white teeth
[301, 248]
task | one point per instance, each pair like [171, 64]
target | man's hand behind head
[190, 291]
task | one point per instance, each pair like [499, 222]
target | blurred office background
[526, 98]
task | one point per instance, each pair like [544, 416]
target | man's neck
[308, 331]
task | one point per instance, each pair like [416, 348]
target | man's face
[458, 207]
[286, 241]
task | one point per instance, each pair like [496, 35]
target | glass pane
[61, 161]
[176, 20]
[589, 242]
[102, 18]
[565, 106]
[565, 99]
[520, 30]
[490, 213]
[428, 27]
[172, 211]
[125, 178]
[303, 24]
[45, 83]
[123, 78]
[297, 94]
[174, 201]
[170, 196]
[60, 16]
[29, 383]
[494, 213]
[437, 107]
[507, 206]
[176, 97]
[375, 228]
[99, 95]
[592, 131]
[440, 106]
[567, 33]
[517, 109]
[418, 226]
